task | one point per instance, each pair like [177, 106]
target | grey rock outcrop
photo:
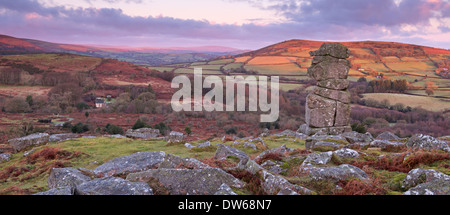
[422, 141]
[136, 162]
[223, 151]
[387, 136]
[224, 189]
[18, 144]
[335, 174]
[143, 133]
[66, 177]
[317, 158]
[177, 162]
[312, 140]
[188, 181]
[280, 150]
[5, 157]
[346, 153]
[328, 105]
[176, 137]
[419, 176]
[62, 137]
[385, 144]
[113, 186]
[60, 191]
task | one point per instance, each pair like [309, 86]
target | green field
[288, 69]
[425, 102]
[412, 66]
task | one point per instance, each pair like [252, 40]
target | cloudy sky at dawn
[245, 24]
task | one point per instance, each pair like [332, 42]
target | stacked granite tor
[328, 105]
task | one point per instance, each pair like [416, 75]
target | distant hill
[420, 66]
[137, 55]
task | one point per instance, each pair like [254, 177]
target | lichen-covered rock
[385, 143]
[332, 49]
[136, 162]
[312, 140]
[249, 145]
[224, 189]
[280, 150]
[62, 137]
[334, 84]
[433, 187]
[5, 157]
[188, 181]
[342, 117]
[354, 137]
[204, 144]
[66, 177]
[18, 144]
[177, 162]
[175, 137]
[60, 191]
[274, 183]
[113, 186]
[325, 146]
[328, 70]
[223, 151]
[317, 158]
[319, 111]
[335, 174]
[144, 133]
[387, 136]
[273, 167]
[419, 176]
[346, 153]
[337, 95]
[189, 146]
[422, 141]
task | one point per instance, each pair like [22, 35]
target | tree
[86, 114]
[17, 105]
[188, 131]
[139, 124]
[29, 100]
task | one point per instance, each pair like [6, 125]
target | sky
[243, 24]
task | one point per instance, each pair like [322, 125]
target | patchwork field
[427, 103]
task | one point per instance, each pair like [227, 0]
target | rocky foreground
[328, 164]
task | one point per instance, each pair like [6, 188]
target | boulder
[250, 145]
[143, 133]
[334, 84]
[5, 157]
[136, 162]
[335, 174]
[281, 150]
[346, 153]
[18, 144]
[272, 183]
[113, 186]
[175, 137]
[326, 146]
[62, 137]
[273, 167]
[189, 146]
[328, 69]
[204, 144]
[433, 187]
[317, 158]
[337, 95]
[60, 191]
[319, 111]
[419, 176]
[387, 136]
[223, 151]
[342, 117]
[355, 137]
[177, 162]
[422, 141]
[312, 140]
[224, 189]
[385, 143]
[188, 181]
[332, 49]
[66, 177]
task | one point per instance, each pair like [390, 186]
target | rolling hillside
[419, 65]
[137, 55]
